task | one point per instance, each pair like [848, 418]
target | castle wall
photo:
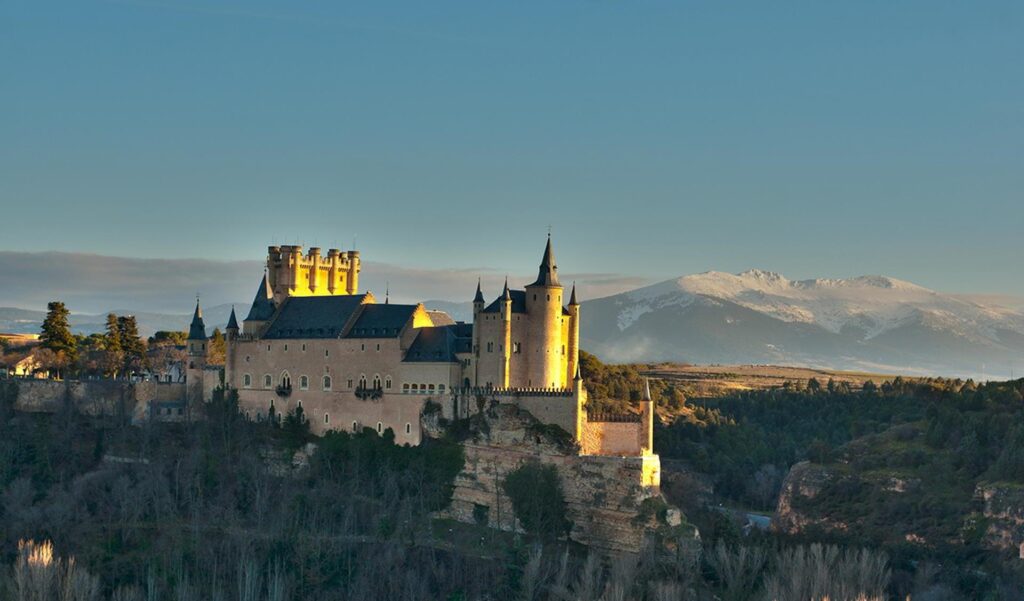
[110, 398]
[612, 438]
[345, 361]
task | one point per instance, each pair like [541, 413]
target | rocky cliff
[614, 503]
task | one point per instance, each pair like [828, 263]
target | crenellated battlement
[292, 273]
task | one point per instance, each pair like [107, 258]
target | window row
[326, 382]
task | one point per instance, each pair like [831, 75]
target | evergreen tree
[132, 346]
[113, 349]
[56, 333]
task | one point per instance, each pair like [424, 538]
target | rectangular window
[327, 418]
[490, 347]
[327, 353]
[350, 382]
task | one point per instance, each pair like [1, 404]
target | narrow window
[327, 382]
[327, 418]
[286, 348]
[298, 403]
[327, 353]
[304, 382]
[380, 428]
[362, 380]
[376, 381]
[362, 347]
[378, 348]
[247, 380]
[408, 428]
[355, 426]
[268, 381]
[350, 382]
[268, 348]
[387, 382]
[303, 348]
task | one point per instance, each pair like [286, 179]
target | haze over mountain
[868, 322]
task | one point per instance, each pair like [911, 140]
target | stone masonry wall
[612, 438]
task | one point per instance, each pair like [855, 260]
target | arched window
[355, 426]
[286, 380]
[362, 381]
[304, 382]
[376, 381]
[247, 380]
[387, 382]
[268, 381]
[380, 428]
[431, 387]
[405, 387]
[415, 387]
[327, 382]
[298, 403]
[327, 418]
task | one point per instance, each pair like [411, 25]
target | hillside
[871, 323]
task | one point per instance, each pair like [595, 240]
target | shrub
[538, 499]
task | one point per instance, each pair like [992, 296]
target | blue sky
[817, 139]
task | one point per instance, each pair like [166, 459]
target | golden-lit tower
[547, 351]
[573, 359]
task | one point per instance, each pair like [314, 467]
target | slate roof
[440, 343]
[232, 321]
[263, 305]
[314, 316]
[518, 303]
[381, 321]
[197, 329]
[547, 275]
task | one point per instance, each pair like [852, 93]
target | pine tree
[132, 346]
[56, 333]
[113, 349]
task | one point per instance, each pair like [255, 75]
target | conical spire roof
[548, 273]
[572, 297]
[479, 298]
[647, 389]
[506, 294]
[197, 329]
[232, 321]
[263, 304]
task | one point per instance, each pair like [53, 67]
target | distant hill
[872, 323]
[25, 321]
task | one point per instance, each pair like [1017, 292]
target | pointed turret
[572, 297]
[647, 390]
[506, 295]
[263, 304]
[479, 298]
[232, 321]
[548, 273]
[197, 329]
[647, 417]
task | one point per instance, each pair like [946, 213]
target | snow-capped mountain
[867, 322]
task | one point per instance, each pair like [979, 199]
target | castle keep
[313, 340]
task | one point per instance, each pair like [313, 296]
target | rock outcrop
[1003, 512]
[614, 503]
[804, 481]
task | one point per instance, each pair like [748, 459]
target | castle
[313, 340]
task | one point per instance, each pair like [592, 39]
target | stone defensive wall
[549, 405]
[621, 435]
[97, 398]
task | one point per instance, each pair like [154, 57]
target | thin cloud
[90, 283]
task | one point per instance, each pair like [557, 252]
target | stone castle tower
[290, 273]
[198, 350]
[527, 338]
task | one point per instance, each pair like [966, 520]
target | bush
[538, 499]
